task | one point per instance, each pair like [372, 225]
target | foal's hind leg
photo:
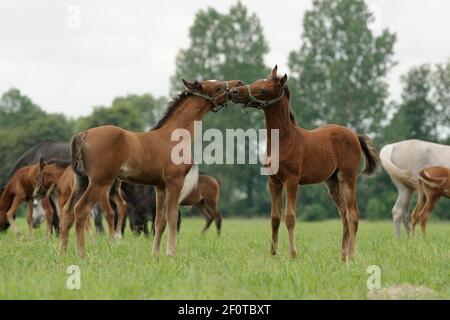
[109, 213]
[347, 185]
[11, 212]
[208, 217]
[291, 199]
[416, 212]
[82, 209]
[121, 205]
[66, 221]
[430, 203]
[338, 198]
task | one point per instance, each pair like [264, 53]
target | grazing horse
[434, 183]
[141, 201]
[102, 154]
[46, 149]
[206, 198]
[403, 161]
[20, 189]
[329, 154]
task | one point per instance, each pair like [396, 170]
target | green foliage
[424, 112]
[338, 75]
[23, 124]
[132, 112]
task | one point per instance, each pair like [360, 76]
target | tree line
[337, 75]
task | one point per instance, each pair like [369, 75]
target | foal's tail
[370, 153]
[433, 182]
[76, 154]
[81, 180]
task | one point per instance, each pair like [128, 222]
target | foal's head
[215, 91]
[47, 173]
[261, 93]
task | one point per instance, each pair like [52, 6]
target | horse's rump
[76, 154]
[431, 181]
[393, 170]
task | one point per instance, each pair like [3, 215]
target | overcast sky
[130, 46]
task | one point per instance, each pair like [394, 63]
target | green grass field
[235, 266]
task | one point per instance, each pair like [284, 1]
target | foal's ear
[193, 86]
[274, 72]
[283, 80]
[41, 163]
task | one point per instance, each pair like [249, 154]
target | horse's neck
[57, 175]
[192, 109]
[278, 116]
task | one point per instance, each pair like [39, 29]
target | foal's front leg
[173, 189]
[160, 219]
[276, 192]
[291, 200]
[48, 209]
[30, 217]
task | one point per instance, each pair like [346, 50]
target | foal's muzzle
[234, 92]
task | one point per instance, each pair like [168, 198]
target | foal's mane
[61, 163]
[287, 93]
[172, 106]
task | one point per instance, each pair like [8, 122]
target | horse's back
[415, 155]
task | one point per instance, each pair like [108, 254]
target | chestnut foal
[329, 154]
[19, 189]
[434, 183]
[102, 154]
[206, 197]
[63, 180]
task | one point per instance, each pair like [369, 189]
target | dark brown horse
[329, 154]
[100, 155]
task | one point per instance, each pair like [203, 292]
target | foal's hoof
[293, 255]
[117, 237]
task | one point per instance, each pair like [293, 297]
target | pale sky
[130, 46]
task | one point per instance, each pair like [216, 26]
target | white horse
[403, 161]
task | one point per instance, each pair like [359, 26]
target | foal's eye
[263, 91]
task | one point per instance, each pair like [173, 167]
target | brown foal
[62, 180]
[434, 183]
[206, 197]
[102, 154]
[329, 154]
[20, 189]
